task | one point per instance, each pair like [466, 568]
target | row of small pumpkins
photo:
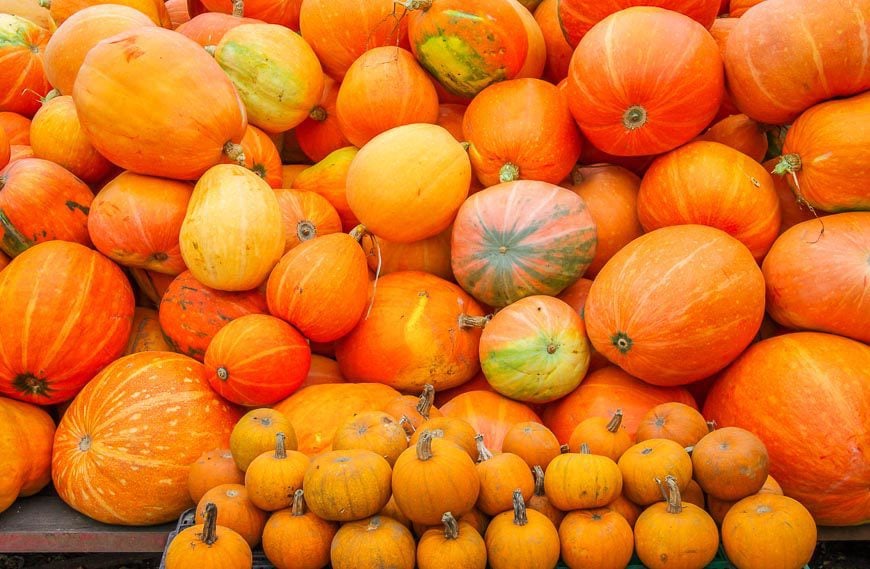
[388, 479]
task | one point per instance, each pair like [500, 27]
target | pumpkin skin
[213, 468]
[796, 298]
[306, 215]
[275, 71]
[740, 133]
[384, 88]
[372, 430]
[662, 281]
[26, 437]
[602, 436]
[272, 478]
[490, 414]
[408, 182]
[430, 255]
[23, 77]
[678, 422]
[631, 104]
[69, 44]
[283, 12]
[533, 442]
[146, 335]
[372, 543]
[708, 183]
[195, 546]
[321, 133]
[5, 148]
[347, 485]
[821, 163]
[62, 10]
[499, 474]
[559, 51]
[232, 235]
[577, 17]
[579, 480]
[521, 129]
[535, 350]
[329, 179]
[431, 346]
[767, 530]
[77, 320]
[654, 458]
[522, 539]
[257, 360]
[323, 371]
[29, 10]
[209, 28]
[183, 418]
[178, 14]
[596, 538]
[310, 535]
[800, 370]
[519, 239]
[152, 286]
[255, 434]
[261, 156]
[41, 201]
[235, 511]
[17, 127]
[825, 64]
[135, 220]
[413, 410]
[457, 545]
[730, 463]
[56, 135]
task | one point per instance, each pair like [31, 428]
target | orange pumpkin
[499, 474]
[539, 500]
[533, 442]
[62, 10]
[457, 544]
[730, 463]
[26, 437]
[282, 12]
[29, 10]
[235, 511]
[521, 538]
[558, 49]
[255, 434]
[106, 442]
[306, 215]
[625, 508]
[372, 543]
[178, 14]
[490, 414]
[322, 370]
[273, 478]
[452, 429]
[22, 79]
[297, 538]
[740, 133]
[213, 468]
[675, 421]
[450, 116]
[598, 538]
[347, 485]
[373, 430]
[152, 286]
[321, 133]
[603, 437]
[145, 334]
[649, 460]
[430, 255]
[208, 28]
[329, 179]
[208, 545]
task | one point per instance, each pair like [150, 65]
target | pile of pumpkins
[423, 490]
[532, 212]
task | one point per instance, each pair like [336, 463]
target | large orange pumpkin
[819, 385]
[645, 80]
[22, 77]
[124, 447]
[122, 99]
[62, 10]
[65, 313]
[490, 414]
[26, 437]
[653, 308]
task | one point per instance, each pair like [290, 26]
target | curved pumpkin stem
[787, 164]
[424, 406]
[280, 446]
[584, 448]
[407, 426]
[675, 501]
[209, 526]
[508, 172]
[539, 480]
[298, 508]
[662, 488]
[235, 152]
[238, 8]
[467, 321]
[521, 518]
[483, 453]
[424, 446]
[45, 4]
[358, 233]
[412, 5]
[451, 526]
[615, 422]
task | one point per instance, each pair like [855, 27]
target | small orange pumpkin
[675, 421]
[295, 538]
[236, 511]
[646, 461]
[498, 475]
[347, 485]
[373, 543]
[603, 437]
[457, 544]
[372, 430]
[273, 477]
[209, 545]
[599, 538]
[213, 468]
[521, 538]
[533, 442]
[255, 434]
[582, 480]
[730, 463]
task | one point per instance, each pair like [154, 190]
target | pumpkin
[151, 287]
[536, 54]
[17, 127]
[450, 116]
[321, 132]
[675, 534]
[19, 152]
[41, 201]
[5, 148]
[629, 83]
[610, 194]
[490, 414]
[372, 430]
[601, 394]
[261, 156]
[740, 133]
[26, 437]
[347, 485]
[430, 255]
[522, 539]
[273, 477]
[62, 10]
[255, 434]
[276, 72]
[318, 410]
[22, 48]
[558, 49]
[235, 511]
[598, 538]
[737, 8]
[675, 421]
[467, 54]
[257, 360]
[719, 508]
[364, 25]
[78, 313]
[305, 215]
[4, 261]
[625, 508]
[651, 310]
[499, 474]
[126, 69]
[373, 543]
[322, 370]
[29, 10]
[533, 442]
[283, 12]
[819, 163]
[433, 477]
[329, 179]
[145, 333]
[580, 480]
[208, 28]
[192, 313]
[178, 14]
[521, 129]
[135, 220]
[577, 17]
[414, 333]
[798, 299]
[801, 371]
[69, 44]
[457, 545]
[648, 460]
[414, 409]
[289, 173]
[384, 88]
[520, 239]
[232, 234]
[408, 182]
[309, 535]
[455, 430]
[213, 468]
[539, 500]
[603, 437]
[767, 530]
[139, 450]
[825, 64]
[730, 463]
[575, 296]
[208, 545]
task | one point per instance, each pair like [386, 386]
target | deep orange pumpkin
[306, 215]
[490, 414]
[22, 79]
[235, 511]
[282, 12]
[213, 468]
[740, 133]
[62, 10]
[645, 80]
[320, 133]
[261, 156]
[26, 437]
[819, 382]
[533, 442]
[730, 463]
[109, 442]
[329, 179]
[651, 310]
[17, 127]
[430, 255]
[76, 319]
[209, 28]
[559, 51]
[792, 210]
[598, 538]
[675, 421]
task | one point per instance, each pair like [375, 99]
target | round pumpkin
[457, 545]
[347, 485]
[372, 543]
[255, 434]
[213, 468]
[62, 10]
[296, 538]
[452, 429]
[146, 334]
[261, 156]
[235, 511]
[72, 303]
[430, 255]
[145, 409]
[730, 463]
[305, 215]
[580, 480]
[649, 460]
[499, 474]
[282, 12]
[372, 430]
[208, 545]
[321, 133]
[329, 179]
[26, 437]
[521, 538]
[22, 80]
[719, 508]
[533, 442]
[558, 49]
[17, 127]
[490, 414]
[273, 478]
[599, 538]
[602, 436]
[539, 500]
[675, 421]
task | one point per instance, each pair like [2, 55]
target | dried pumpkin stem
[306, 230]
[209, 526]
[539, 480]
[210, 49]
[468, 321]
[238, 8]
[711, 426]
[223, 373]
[662, 488]
[235, 152]
[564, 449]
[424, 406]
[675, 502]
[483, 453]
[584, 448]
[788, 163]
[520, 516]
[318, 114]
[359, 232]
[280, 446]
[615, 422]
[298, 508]
[508, 172]
[424, 446]
[635, 117]
[451, 526]
[407, 426]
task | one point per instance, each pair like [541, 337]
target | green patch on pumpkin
[456, 64]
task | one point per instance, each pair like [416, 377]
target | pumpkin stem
[451, 526]
[280, 446]
[411, 5]
[209, 526]
[222, 373]
[791, 164]
[615, 422]
[306, 230]
[711, 425]
[298, 508]
[539, 480]
[622, 342]
[484, 453]
[564, 449]
[465, 145]
[424, 446]
[584, 448]
[407, 426]
[359, 232]
[788, 163]
[634, 117]
[45, 4]
[520, 516]
[210, 49]
[675, 502]
[49, 96]
[235, 152]
[238, 8]
[318, 114]
[468, 321]
[662, 488]
[424, 406]
[577, 176]
[509, 172]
